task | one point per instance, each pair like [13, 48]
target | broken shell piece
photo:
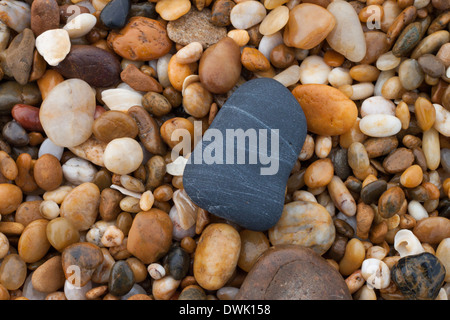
[406, 243]
[376, 273]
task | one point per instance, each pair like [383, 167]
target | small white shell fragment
[380, 125]
[288, 76]
[442, 122]
[314, 70]
[112, 237]
[416, 210]
[406, 243]
[121, 99]
[53, 45]
[156, 271]
[247, 14]
[80, 25]
[126, 192]
[176, 168]
[377, 105]
[376, 273]
[77, 171]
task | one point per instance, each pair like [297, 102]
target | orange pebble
[333, 58]
[412, 177]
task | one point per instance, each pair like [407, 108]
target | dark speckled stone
[121, 279]
[419, 277]
[251, 195]
[178, 263]
[372, 191]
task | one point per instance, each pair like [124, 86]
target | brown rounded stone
[291, 272]
[391, 202]
[219, 77]
[83, 59]
[19, 56]
[150, 235]
[220, 12]
[10, 198]
[49, 276]
[109, 207]
[33, 243]
[138, 80]
[27, 212]
[81, 258]
[282, 56]
[142, 39]
[376, 44]
[48, 172]
[432, 230]
[44, 16]
[398, 160]
[114, 124]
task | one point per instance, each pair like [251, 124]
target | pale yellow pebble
[190, 53]
[240, 36]
[274, 21]
[171, 10]
[147, 200]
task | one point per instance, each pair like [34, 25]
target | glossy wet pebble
[121, 279]
[419, 277]
[306, 224]
[216, 255]
[86, 256]
[309, 276]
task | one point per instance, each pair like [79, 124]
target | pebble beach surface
[92, 200]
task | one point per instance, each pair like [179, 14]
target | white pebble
[80, 25]
[176, 168]
[77, 171]
[95, 233]
[376, 273]
[190, 53]
[76, 293]
[314, 70]
[339, 77]
[162, 70]
[406, 243]
[123, 155]
[247, 14]
[442, 122]
[53, 45]
[416, 210]
[380, 125]
[362, 90]
[121, 99]
[377, 105]
[288, 76]
[49, 147]
[267, 43]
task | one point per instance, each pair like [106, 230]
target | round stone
[304, 223]
[67, 114]
[121, 279]
[123, 155]
[292, 272]
[419, 277]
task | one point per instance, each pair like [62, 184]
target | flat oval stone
[19, 56]
[12, 93]
[419, 277]
[67, 114]
[114, 14]
[347, 37]
[407, 40]
[121, 279]
[27, 116]
[142, 39]
[96, 66]
[15, 134]
[372, 191]
[178, 263]
[243, 113]
[114, 124]
[308, 25]
[292, 272]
